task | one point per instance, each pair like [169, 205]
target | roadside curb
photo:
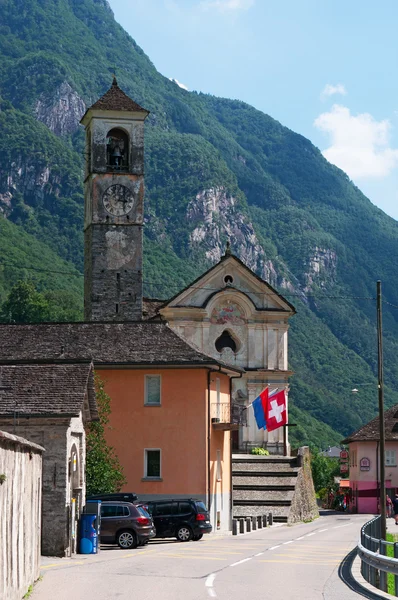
[362, 583]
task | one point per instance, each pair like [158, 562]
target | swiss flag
[276, 414]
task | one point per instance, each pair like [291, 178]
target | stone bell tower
[114, 208]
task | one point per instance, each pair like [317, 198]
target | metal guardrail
[375, 564]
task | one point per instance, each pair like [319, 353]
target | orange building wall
[178, 427]
[220, 488]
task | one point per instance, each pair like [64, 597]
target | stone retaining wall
[20, 514]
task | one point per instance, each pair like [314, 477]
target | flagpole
[285, 440]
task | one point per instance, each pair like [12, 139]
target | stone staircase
[264, 484]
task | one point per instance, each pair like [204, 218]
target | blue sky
[325, 68]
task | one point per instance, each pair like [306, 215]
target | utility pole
[383, 525]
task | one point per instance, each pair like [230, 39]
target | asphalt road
[303, 562]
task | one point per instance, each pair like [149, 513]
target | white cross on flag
[277, 411]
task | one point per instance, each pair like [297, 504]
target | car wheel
[184, 534]
[127, 539]
[198, 537]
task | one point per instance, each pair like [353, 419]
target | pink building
[365, 462]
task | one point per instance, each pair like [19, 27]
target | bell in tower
[114, 207]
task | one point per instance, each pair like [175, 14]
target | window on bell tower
[117, 150]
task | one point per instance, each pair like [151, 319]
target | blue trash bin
[88, 535]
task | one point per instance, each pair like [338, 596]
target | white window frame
[146, 403]
[218, 391]
[146, 450]
[391, 458]
[218, 466]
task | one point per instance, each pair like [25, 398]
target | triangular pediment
[230, 276]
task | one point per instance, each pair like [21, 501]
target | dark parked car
[119, 496]
[185, 519]
[125, 524]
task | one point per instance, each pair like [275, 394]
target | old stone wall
[304, 506]
[20, 514]
[59, 437]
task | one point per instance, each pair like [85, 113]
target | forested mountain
[216, 169]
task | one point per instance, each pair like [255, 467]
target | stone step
[255, 511]
[261, 496]
[262, 502]
[265, 481]
[240, 473]
[263, 488]
[252, 458]
[260, 467]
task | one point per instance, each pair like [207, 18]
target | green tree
[104, 473]
[324, 470]
[24, 304]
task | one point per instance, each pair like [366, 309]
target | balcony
[227, 416]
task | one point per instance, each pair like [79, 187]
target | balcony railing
[227, 416]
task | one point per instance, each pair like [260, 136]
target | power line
[74, 274]
[285, 295]
[210, 289]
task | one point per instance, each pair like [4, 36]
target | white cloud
[331, 90]
[360, 145]
[181, 85]
[225, 6]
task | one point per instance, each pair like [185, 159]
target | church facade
[233, 315]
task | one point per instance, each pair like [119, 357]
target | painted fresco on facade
[228, 313]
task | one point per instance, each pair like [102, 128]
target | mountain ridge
[216, 169]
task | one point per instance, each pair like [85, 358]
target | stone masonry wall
[304, 506]
[20, 515]
[53, 435]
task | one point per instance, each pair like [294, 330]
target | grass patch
[390, 552]
[29, 592]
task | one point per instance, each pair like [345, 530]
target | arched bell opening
[226, 341]
[117, 150]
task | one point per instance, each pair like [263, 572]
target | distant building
[364, 462]
[332, 452]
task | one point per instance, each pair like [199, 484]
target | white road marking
[240, 562]
[209, 585]
[275, 547]
[291, 542]
[339, 526]
[301, 538]
[259, 554]
[322, 530]
[309, 534]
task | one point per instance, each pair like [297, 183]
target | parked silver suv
[125, 524]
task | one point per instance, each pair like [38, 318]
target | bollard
[259, 522]
[265, 523]
[242, 526]
[270, 519]
[248, 524]
[254, 523]
[234, 527]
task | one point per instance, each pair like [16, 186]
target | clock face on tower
[118, 200]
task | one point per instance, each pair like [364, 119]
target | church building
[228, 313]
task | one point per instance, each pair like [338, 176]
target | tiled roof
[116, 99]
[129, 343]
[370, 431]
[43, 389]
[150, 308]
